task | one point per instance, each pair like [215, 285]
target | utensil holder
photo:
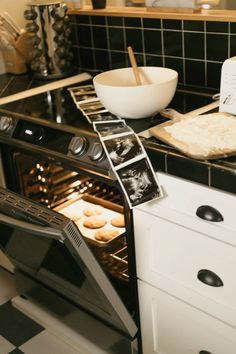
[50, 29]
[17, 54]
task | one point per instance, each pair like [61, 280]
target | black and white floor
[23, 334]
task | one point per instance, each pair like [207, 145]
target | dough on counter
[106, 234]
[206, 134]
[96, 210]
[94, 222]
[118, 221]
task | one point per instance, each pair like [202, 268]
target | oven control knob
[78, 145]
[96, 153]
[6, 123]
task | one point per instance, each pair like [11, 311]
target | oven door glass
[48, 247]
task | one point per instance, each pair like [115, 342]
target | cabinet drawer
[170, 326]
[187, 258]
[199, 202]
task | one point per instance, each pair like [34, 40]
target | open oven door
[43, 244]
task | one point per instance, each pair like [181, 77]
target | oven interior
[56, 187]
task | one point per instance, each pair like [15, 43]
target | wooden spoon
[134, 66]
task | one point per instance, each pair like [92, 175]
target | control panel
[80, 146]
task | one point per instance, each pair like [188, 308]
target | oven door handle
[31, 228]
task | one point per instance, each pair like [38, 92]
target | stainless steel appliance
[49, 156]
[49, 27]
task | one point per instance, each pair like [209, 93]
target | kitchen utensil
[134, 65]
[118, 92]
[173, 114]
[16, 51]
[194, 149]
[6, 39]
[6, 27]
[12, 23]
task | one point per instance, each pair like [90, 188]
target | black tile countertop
[219, 174]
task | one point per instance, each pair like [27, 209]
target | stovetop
[57, 108]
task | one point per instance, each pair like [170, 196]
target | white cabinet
[171, 326]
[186, 269]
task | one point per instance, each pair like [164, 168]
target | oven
[54, 169]
[55, 177]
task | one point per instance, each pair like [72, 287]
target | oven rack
[121, 257]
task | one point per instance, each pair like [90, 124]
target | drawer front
[200, 202]
[183, 256]
[170, 326]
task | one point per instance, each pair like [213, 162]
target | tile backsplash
[196, 49]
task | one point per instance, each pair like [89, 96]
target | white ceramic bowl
[118, 92]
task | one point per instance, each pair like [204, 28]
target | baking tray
[160, 133]
[74, 210]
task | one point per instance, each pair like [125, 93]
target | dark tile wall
[196, 49]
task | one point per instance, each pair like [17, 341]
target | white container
[228, 86]
[118, 92]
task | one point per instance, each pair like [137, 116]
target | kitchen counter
[219, 174]
[145, 12]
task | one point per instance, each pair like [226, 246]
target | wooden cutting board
[191, 150]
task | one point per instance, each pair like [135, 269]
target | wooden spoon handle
[134, 66]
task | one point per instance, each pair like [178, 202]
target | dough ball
[118, 221]
[106, 234]
[94, 222]
[96, 210]
[75, 217]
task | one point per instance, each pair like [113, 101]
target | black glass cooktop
[58, 106]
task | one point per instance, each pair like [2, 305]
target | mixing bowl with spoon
[119, 93]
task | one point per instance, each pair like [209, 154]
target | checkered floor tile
[15, 326]
[19, 334]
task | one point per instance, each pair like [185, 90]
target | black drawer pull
[204, 352]
[207, 212]
[209, 278]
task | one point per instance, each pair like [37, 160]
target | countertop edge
[144, 12]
